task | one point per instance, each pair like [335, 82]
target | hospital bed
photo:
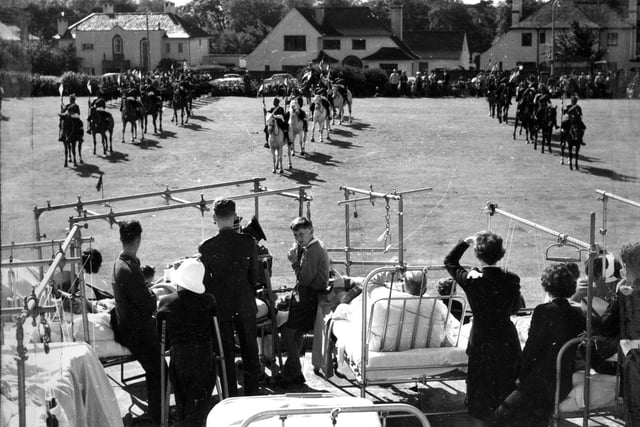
[392, 337]
[307, 410]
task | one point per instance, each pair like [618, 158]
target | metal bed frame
[361, 379]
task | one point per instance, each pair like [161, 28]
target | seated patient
[67, 282]
[552, 325]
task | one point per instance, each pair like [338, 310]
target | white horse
[339, 103]
[296, 128]
[276, 143]
[321, 118]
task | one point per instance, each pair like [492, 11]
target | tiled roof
[589, 14]
[436, 44]
[12, 33]
[344, 21]
[389, 53]
[171, 24]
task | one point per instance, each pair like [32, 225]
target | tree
[578, 44]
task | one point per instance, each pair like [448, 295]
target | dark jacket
[552, 325]
[231, 272]
[188, 316]
[135, 303]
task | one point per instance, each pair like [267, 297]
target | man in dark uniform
[72, 110]
[281, 119]
[135, 306]
[542, 99]
[98, 104]
[573, 112]
[190, 333]
[231, 274]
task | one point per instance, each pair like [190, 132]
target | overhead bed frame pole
[594, 250]
[371, 196]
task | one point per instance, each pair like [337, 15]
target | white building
[111, 42]
[528, 41]
[347, 35]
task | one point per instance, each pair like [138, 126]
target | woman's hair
[558, 281]
[130, 231]
[630, 254]
[489, 247]
[445, 286]
[91, 260]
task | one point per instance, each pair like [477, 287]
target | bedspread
[72, 374]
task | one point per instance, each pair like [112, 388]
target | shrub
[375, 77]
[15, 83]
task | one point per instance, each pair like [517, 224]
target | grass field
[447, 144]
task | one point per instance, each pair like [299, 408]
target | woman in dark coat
[494, 349]
[552, 325]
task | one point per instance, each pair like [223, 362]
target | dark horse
[132, 112]
[546, 120]
[572, 139]
[524, 116]
[101, 122]
[71, 134]
[181, 103]
[152, 107]
[309, 81]
[503, 101]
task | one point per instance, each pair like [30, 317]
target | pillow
[403, 315]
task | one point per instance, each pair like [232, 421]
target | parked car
[227, 84]
[276, 81]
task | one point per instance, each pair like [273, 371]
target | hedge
[22, 84]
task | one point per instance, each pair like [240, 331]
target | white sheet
[72, 374]
[233, 411]
[602, 390]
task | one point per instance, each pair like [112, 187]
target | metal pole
[83, 293]
[604, 194]
[256, 199]
[38, 262]
[58, 258]
[401, 231]
[493, 209]
[593, 253]
[370, 193]
[36, 215]
[301, 202]
[40, 244]
[553, 37]
[347, 242]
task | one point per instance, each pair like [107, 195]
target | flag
[61, 89]
[99, 184]
[89, 86]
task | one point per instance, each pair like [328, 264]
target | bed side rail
[333, 412]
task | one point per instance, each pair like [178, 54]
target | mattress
[72, 374]
[234, 411]
[602, 390]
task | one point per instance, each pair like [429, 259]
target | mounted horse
[525, 116]
[308, 83]
[152, 107]
[503, 101]
[275, 138]
[132, 112]
[297, 127]
[339, 101]
[546, 120]
[100, 123]
[571, 138]
[491, 96]
[321, 118]
[180, 103]
[71, 134]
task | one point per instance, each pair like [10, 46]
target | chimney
[63, 24]
[169, 7]
[396, 20]
[107, 8]
[516, 12]
[633, 12]
[319, 14]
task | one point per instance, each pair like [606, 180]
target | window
[612, 39]
[144, 54]
[295, 43]
[543, 37]
[526, 39]
[331, 44]
[358, 44]
[87, 46]
[267, 68]
[179, 47]
[167, 48]
[423, 67]
[117, 45]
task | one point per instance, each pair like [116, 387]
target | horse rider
[296, 96]
[542, 99]
[341, 86]
[281, 120]
[98, 104]
[573, 112]
[71, 110]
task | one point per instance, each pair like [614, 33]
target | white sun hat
[189, 275]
